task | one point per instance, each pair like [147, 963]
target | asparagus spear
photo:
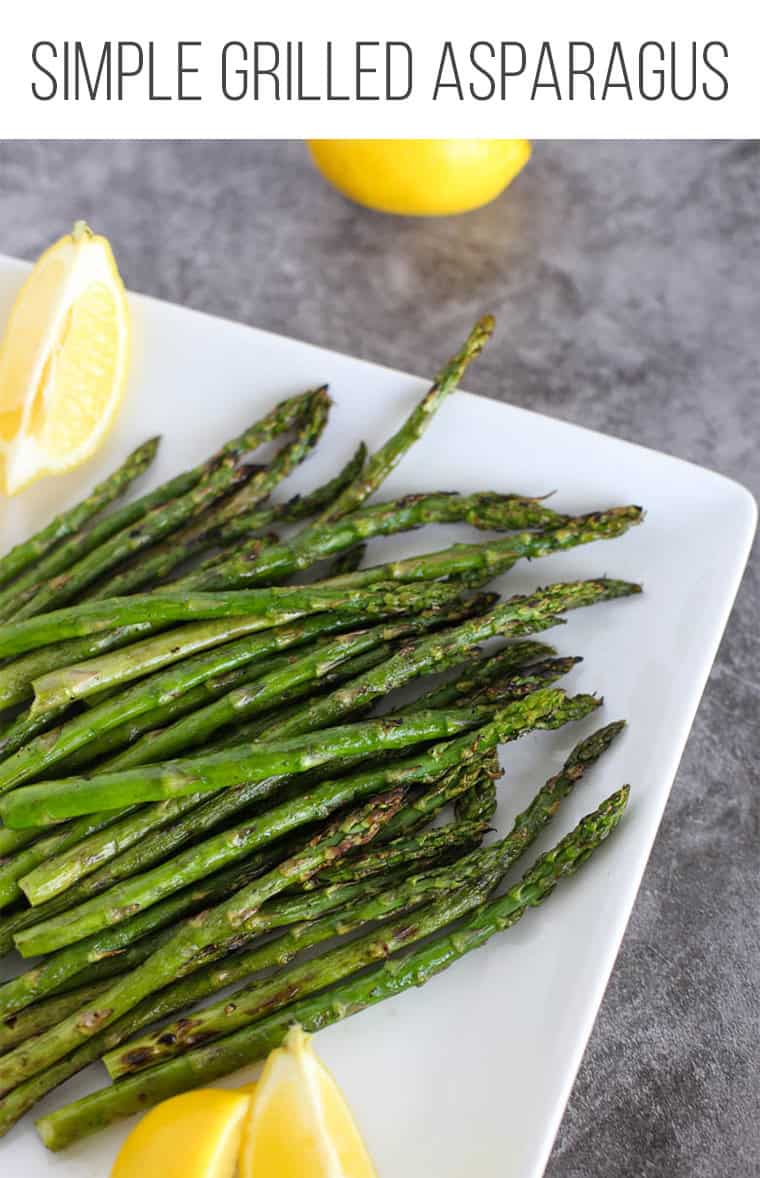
[58, 872]
[215, 532]
[544, 709]
[44, 849]
[16, 677]
[479, 563]
[131, 841]
[382, 462]
[210, 1062]
[70, 521]
[12, 841]
[272, 606]
[417, 889]
[192, 939]
[43, 753]
[142, 734]
[26, 727]
[97, 677]
[429, 847]
[422, 808]
[483, 670]
[87, 540]
[229, 473]
[39, 754]
[183, 543]
[25, 1024]
[163, 520]
[484, 510]
[263, 762]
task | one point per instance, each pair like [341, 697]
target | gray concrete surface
[626, 280]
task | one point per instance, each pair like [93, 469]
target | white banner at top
[327, 68]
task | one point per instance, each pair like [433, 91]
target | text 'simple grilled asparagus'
[549, 708]
[414, 968]
[182, 951]
[30, 551]
[87, 540]
[183, 542]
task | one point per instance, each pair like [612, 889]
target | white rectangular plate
[470, 1074]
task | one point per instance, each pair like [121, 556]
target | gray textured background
[626, 281]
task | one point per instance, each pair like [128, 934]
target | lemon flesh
[196, 1135]
[64, 359]
[420, 177]
[299, 1122]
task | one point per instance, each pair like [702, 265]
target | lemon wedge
[63, 360]
[196, 1135]
[299, 1123]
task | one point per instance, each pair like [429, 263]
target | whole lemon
[420, 177]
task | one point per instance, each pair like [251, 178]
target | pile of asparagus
[205, 773]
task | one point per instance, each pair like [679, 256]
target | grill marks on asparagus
[415, 967]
